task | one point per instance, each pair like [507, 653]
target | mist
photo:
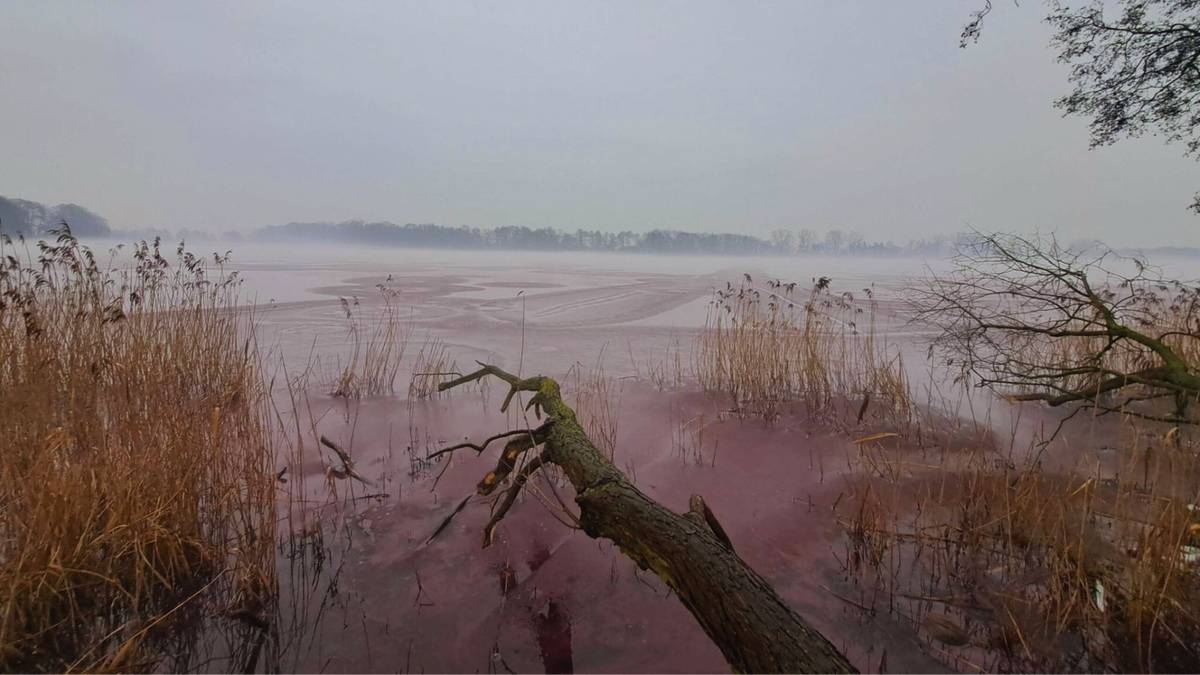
[678, 336]
[709, 117]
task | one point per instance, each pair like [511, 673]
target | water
[373, 594]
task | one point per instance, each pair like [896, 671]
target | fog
[718, 293]
[702, 116]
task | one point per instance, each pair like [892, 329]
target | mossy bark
[690, 552]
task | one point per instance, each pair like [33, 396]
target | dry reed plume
[137, 473]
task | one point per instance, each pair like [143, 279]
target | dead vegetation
[597, 402]
[1074, 549]
[1005, 552]
[137, 476]
[1040, 322]
[690, 552]
[432, 366]
[377, 349]
[1020, 567]
[770, 347]
[665, 371]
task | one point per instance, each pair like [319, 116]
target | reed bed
[1075, 547]
[1012, 565]
[1170, 310]
[137, 475]
[770, 347]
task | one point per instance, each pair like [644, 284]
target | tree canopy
[33, 218]
[1134, 67]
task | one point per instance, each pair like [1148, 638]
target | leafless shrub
[1039, 322]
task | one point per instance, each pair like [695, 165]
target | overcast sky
[697, 115]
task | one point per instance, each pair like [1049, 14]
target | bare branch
[479, 448]
[1039, 322]
[510, 496]
[691, 553]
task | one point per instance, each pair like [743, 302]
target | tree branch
[690, 552]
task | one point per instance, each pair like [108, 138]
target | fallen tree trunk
[690, 552]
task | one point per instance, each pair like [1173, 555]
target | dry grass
[1077, 548]
[137, 472]
[767, 348]
[430, 369]
[597, 403]
[377, 350]
[1085, 568]
[688, 440]
[664, 373]
[1037, 321]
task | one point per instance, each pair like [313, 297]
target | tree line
[30, 218]
[428, 235]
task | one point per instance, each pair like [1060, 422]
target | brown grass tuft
[597, 403]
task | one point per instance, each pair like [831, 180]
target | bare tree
[1041, 322]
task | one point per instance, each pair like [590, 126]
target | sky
[698, 115]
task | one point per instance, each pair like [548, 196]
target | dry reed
[766, 348]
[377, 350]
[597, 402]
[664, 373]
[1092, 567]
[137, 471]
[432, 365]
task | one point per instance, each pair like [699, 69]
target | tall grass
[596, 399]
[1071, 549]
[137, 472]
[377, 349]
[1014, 565]
[1082, 363]
[431, 367]
[769, 347]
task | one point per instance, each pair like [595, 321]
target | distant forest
[780, 242]
[21, 216]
